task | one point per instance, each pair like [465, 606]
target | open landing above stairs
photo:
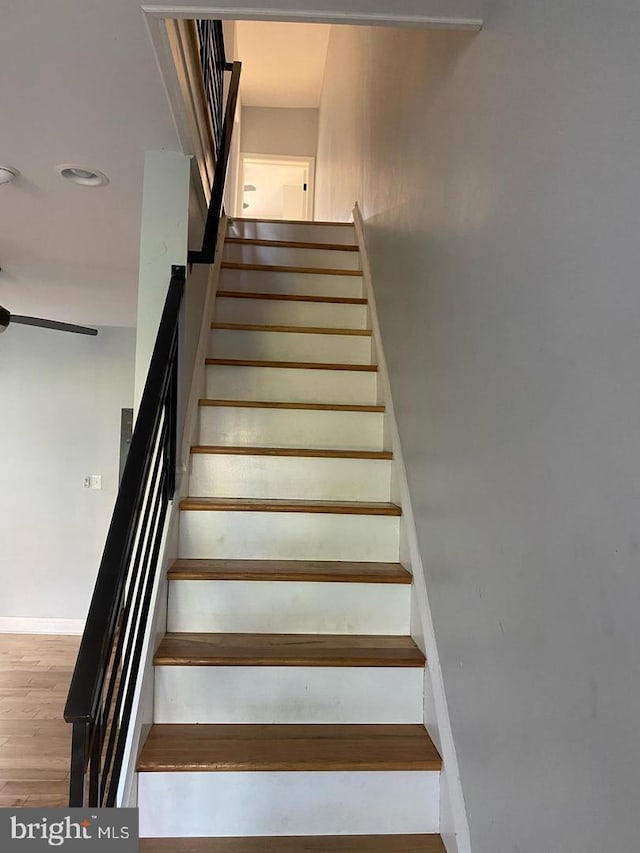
[289, 692]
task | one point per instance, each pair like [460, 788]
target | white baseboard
[26, 625]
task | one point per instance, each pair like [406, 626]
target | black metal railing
[102, 691]
[214, 64]
[101, 695]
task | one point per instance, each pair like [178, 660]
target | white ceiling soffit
[454, 14]
[282, 64]
[80, 85]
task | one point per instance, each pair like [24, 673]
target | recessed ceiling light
[83, 176]
[7, 174]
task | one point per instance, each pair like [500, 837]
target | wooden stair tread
[305, 452]
[298, 330]
[272, 404]
[278, 747]
[232, 265]
[289, 570]
[282, 505]
[290, 297]
[292, 244]
[291, 365]
[298, 844]
[319, 222]
[335, 650]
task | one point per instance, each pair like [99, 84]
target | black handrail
[209, 241]
[103, 685]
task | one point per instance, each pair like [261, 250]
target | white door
[275, 187]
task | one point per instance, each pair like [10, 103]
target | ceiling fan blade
[52, 324]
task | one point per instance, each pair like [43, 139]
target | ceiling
[80, 85]
[282, 64]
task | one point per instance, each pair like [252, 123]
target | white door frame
[309, 162]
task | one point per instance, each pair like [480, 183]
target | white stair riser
[273, 312]
[289, 477]
[288, 694]
[290, 346]
[288, 607]
[300, 232]
[242, 253]
[235, 425]
[288, 803]
[293, 385]
[306, 284]
[240, 535]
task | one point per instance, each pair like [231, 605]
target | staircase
[288, 691]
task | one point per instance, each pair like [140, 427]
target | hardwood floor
[35, 742]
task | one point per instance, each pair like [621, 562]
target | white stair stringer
[288, 803]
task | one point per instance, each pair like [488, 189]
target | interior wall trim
[250, 13]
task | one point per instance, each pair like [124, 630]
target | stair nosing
[290, 297]
[372, 508]
[293, 651]
[391, 843]
[284, 405]
[290, 365]
[289, 571]
[232, 265]
[298, 330]
[302, 452]
[291, 244]
[309, 747]
[317, 222]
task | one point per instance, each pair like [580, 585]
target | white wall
[166, 199]
[278, 130]
[498, 175]
[230, 191]
[62, 395]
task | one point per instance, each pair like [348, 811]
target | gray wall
[500, 181]
[276, 130]
[61, 401]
